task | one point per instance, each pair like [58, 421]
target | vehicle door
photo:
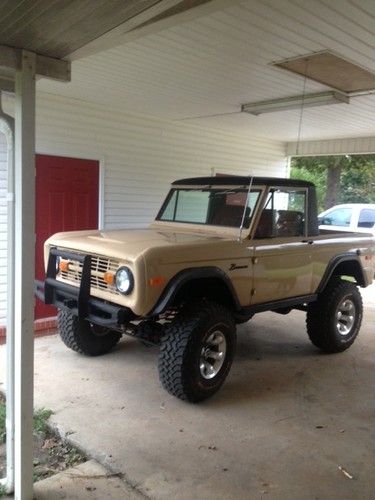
[339, 219]
[281, 249]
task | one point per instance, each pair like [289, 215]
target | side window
[338, 217]
[283, 215]
[366, 218]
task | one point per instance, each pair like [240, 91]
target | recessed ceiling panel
[331, 70]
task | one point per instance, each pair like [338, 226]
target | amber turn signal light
[109, 278]
[157, 281]
[64, 266]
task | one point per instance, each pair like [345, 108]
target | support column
[24, 272]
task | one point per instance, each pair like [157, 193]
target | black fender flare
[335, 262]
[183, 277]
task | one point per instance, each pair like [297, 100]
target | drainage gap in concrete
[52, 454]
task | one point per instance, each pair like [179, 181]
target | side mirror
[326, 221]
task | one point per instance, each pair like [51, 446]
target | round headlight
[124, 280]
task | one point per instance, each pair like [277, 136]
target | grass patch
[40, 420]
[51, 453]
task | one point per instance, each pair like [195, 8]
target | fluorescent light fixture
[296, 102]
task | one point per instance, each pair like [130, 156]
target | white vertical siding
[359, 145]
[141, 155]
[3, 224]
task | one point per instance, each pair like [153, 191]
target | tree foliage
[357, 180]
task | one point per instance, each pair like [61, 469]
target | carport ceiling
[57, 28]
[202, 68]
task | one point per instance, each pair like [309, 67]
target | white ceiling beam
[115, 36]
[8, 57]
[342, 146]
[6, 85]
[48, 67]
[142, 25]
[55, 69]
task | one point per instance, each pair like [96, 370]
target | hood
[126, 244]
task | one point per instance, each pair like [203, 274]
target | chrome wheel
[212, 355]
[334, 320]
[345, 317]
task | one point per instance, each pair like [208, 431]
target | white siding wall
[141, 155]
[359, 145]
[3, 224]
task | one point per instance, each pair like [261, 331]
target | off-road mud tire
[182, 346]
[321, 319]
[79, 335]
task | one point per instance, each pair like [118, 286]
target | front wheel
[84, 337]
[334, 320]
[197, 351]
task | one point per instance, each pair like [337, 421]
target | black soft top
[238, 180]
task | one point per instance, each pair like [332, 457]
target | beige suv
[220, 250]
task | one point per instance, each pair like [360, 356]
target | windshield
[214, 207]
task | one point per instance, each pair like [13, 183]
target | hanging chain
[302, 108]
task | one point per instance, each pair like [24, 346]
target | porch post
[24, 247]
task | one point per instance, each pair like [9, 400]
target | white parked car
[359, 217]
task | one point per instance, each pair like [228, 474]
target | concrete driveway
[281, 427]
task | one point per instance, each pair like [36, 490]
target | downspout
[7, 128]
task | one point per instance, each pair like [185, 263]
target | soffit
[56, 28]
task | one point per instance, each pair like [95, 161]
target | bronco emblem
[234, 266]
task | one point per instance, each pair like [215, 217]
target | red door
[67, 199]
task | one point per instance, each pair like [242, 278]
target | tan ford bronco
[220, 250]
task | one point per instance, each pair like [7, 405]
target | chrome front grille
[99, 266]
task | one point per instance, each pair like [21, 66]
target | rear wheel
[197, 351]
[334, 320]
[84, 337]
